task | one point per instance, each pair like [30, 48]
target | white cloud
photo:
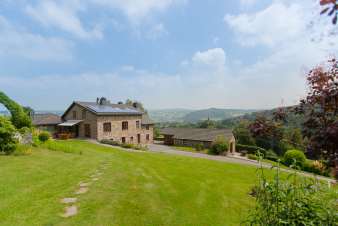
[271, 26]
[190, 87]
[283, 28]
[212, 57]
[136, 10]
[15, 41]
[63, 15]
[157, 31]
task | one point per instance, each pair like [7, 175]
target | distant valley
[193, 116]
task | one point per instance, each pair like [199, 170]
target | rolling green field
[136, 188]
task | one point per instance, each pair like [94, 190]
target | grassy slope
[136, 188]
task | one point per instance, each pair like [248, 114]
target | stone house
[102, 120]
[193, 136]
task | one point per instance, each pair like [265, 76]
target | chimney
[103, 101]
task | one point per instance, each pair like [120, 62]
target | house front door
[87, 130]
[138, 138]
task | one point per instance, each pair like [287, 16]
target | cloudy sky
[165, 53]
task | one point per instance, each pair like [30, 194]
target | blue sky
[164, 53]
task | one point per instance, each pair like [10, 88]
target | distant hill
[193, 116]
[168, 115]
[292, 119]
[215, 114]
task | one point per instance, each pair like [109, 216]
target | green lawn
[189, 149]
[137, 188]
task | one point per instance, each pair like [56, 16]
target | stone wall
[90, 119]
[191, 143]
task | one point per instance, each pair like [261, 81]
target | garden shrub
[141, 147]
[110, 142]
[271, 155]
[294, 157]
[252, 157]
[44, 136]
[294, 200]
[199, 147]
[219, 146]
[316, 167]
[8, 143]
[127, 145]
[249, 149]
[24, 130]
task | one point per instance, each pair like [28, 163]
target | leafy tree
[268, 134]
[294, 137]
[7, 132]
[242, 133]
[28, 110]
[331, 9]
[19, 117]
[208, 124]
[320, 109]
[157, 133]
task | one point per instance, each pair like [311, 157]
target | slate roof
[107, 109]
[196, 133]
[46, 119]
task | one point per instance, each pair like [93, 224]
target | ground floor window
[107, 127]
[147, 137]
[123, 140]
[131, 139]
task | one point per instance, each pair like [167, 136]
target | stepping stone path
[83, 188]
[70, 211]
[84, 184]
[68, 200]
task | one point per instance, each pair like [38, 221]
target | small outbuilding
[48, 122]
[193, 136]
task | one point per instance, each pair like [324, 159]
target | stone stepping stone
[68, 200]
[81, 190]
[83, 184]
[70, 211]
[95, 179]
